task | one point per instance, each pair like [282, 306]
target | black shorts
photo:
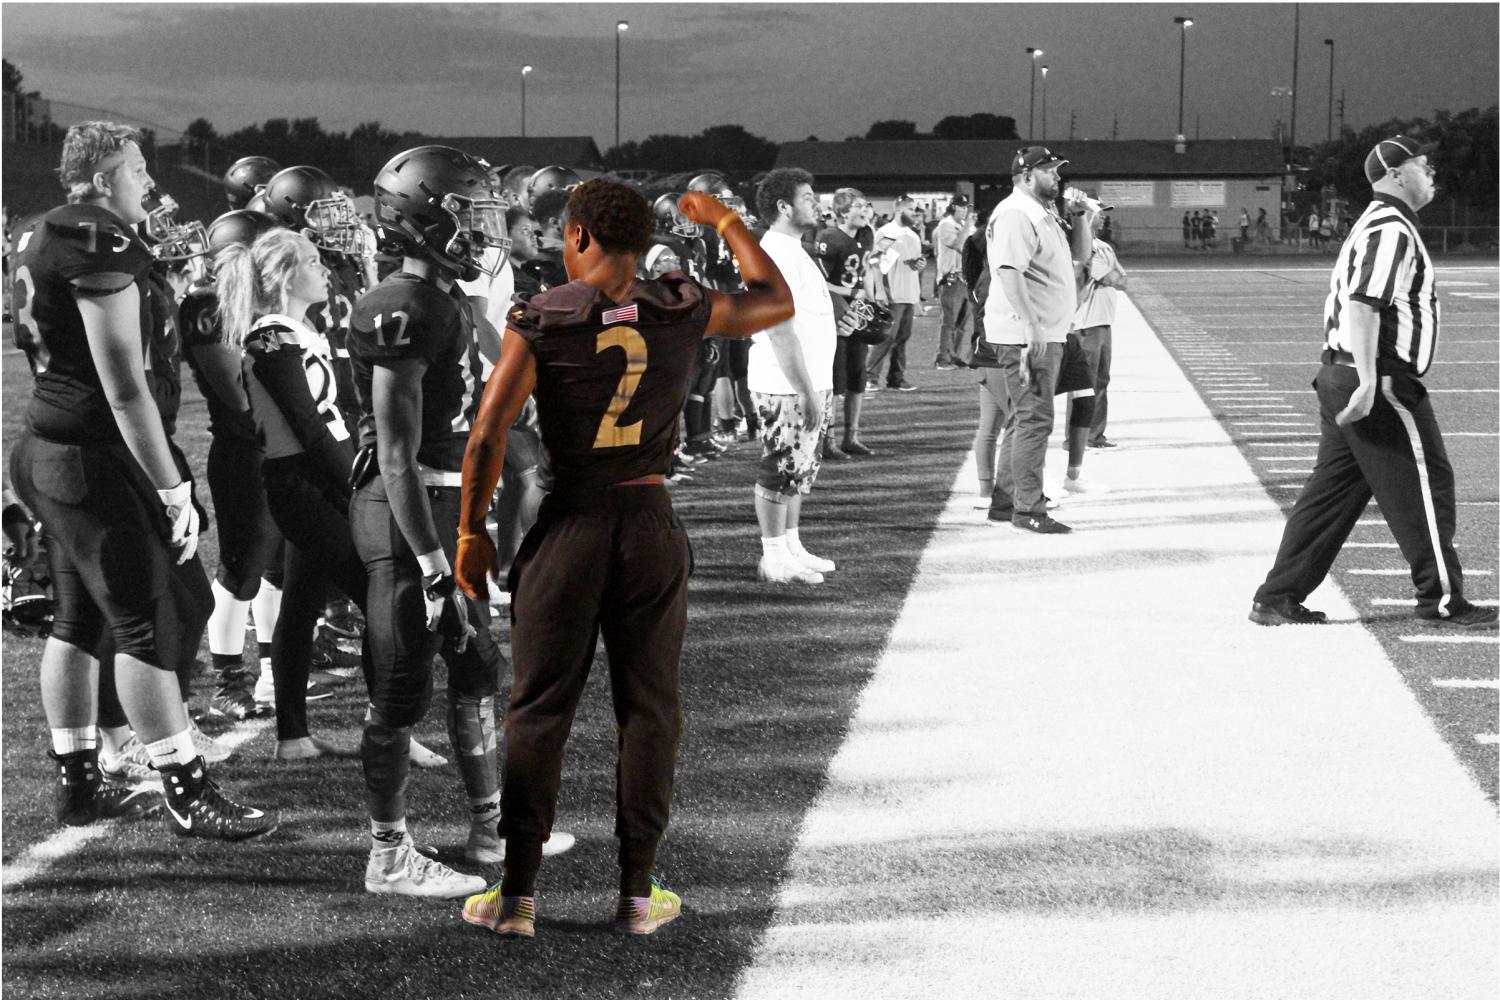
[849, 358]
[108, 554]
[1075, 373]
[734, 360]
[249, 542]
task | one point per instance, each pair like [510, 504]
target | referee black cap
[1391, 153]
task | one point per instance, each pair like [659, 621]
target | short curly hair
[615, 214]
[779, 185]
[87, 145]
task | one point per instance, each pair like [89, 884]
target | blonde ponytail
[253, 280]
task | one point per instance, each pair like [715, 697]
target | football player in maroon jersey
[608, 356]
[95, 464]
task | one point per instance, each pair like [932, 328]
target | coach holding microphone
[1379, 434]
[1035, 265]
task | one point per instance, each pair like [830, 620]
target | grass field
[772, 679]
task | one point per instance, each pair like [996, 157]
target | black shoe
[1473, 617]
[1288, 612]
[903, 386]
[856, 448]
[197, 807]
[84, 797]
[234, 698]
[1039, 524]
[1103, 442]
[702, 451]
[998, 520]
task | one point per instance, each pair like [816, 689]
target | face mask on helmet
[478, 225]
[333, 224]
[171, 239]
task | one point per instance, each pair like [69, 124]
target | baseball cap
[1034, 157]
[960, 201]
[1393, 152]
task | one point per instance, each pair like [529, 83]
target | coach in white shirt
[791, 381]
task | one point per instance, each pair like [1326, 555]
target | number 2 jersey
[611, 377]
[406, 317]
[68, 403]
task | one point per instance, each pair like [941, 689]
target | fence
[1151, 240]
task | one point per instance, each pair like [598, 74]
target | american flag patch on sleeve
[624, 314]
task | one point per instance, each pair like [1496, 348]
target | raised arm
[766, 300]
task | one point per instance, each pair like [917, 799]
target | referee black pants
[1395, 454]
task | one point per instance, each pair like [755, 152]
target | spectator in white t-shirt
[791, 381]
[897, 281]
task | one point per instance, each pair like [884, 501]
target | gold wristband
[463, 535]
[728, 220]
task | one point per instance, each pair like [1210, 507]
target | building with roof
[576, 151]
[1151, 183]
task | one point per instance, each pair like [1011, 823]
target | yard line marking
[1299, 364]
[39, 857]
[1286, 444]
[1488, 739]
[1462, 390]
[1270, 423]
[1406, 602]
[1470, 434]
[1465, 682]
[1406, 572]
[1454, 640]
[1276, 472]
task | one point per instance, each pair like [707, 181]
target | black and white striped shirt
[1384, 264]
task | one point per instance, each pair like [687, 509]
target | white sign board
[1128, 194]
[1198, 194]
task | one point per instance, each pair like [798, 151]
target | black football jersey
[842, 257]
[198, 324]
[68, 403]
[346, 282]
[407, 317]
[720, 268]
[541, 273]
[611, 377]
[164, 354]
[690, 250]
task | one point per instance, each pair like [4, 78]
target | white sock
[1074, 470]
[226, 626]
[774, 546]
[73, 740]
[112, 739]
[485, 810]
[265, 606]
[177, 749]
[385, 836]
[794, 542]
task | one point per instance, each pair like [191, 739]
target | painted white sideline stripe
[1465, 682]
[1169, 823]
[39, 857]
[1407, 572]
[1454, 640]
[1488, 739]
[1407, 602]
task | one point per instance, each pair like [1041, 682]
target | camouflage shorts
[789, 452]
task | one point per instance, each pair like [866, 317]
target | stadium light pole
[525, 72]
[1329, 42]
[620, 28]
[1044, 103]
[1031, 114]
[1183, 23]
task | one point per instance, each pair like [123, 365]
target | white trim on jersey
[1400, 277]
[1429, 506]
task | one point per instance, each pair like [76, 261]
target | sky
[783, 71]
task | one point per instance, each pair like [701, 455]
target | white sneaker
[815, 563]
[265, 688]
[131, 766]
[1081, 485]
[421, 756]
[208, 748]
[487, 847]
[401, 871]
[785, 569]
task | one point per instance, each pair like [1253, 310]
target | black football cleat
[197, 807]
[84, 797]
[1473, 617]
[1287, 612]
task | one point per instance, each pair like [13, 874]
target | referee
[1379, 434]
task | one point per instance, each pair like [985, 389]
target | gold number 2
[610, 433]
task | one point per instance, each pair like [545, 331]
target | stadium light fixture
[525, 72]
[1184, 23]
[1035, 54]
[620, 28]
[1044, 103]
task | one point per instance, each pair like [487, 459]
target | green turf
[770, 678]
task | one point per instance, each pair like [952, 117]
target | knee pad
[386, 754]
[471, 724]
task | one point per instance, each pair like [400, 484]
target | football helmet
[873, 322]
[240, 226]
[669, 218]
[168, 238]
[247, 176]
[258, 204]
[550, 178]
[438, 200]
[306, 200]
[712, 182]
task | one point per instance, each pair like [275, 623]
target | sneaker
[485, 845]
[317, 691]
[265, 688]
[311, 748]
[701, 451]
[82, 796]
[1038, 524]
[832, 452]
[235, 699]
[943, 366]
[644, 914]
[421, 756]
[402, 871]
[1474, 617]
[508, 916]
[854, 447]
[1287, 612]
[131, 766]
[872, 386]
[903, 386]
[342, 620]
[198, 807]
[785, 569]
[815, 563]
[208, 748]
[1103, 442]
[742, 432]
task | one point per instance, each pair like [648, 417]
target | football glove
[447, 614]
[182, 516]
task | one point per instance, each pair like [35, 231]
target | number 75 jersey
[408, 318]
[611, 377]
